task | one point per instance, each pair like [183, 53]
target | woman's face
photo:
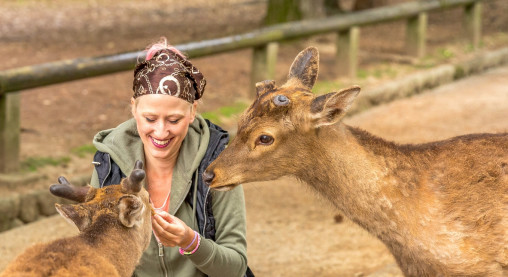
[162, 123]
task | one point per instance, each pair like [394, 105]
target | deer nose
[208, 177]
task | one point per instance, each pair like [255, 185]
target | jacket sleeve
[227, 256]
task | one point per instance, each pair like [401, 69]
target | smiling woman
[162, 124]
[196, 232]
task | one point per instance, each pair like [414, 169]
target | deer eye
[264, 140]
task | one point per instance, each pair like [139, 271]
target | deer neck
[120, 245]
[357, 172]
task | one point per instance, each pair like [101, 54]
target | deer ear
[130, 209]
[74, 214]
[328, 109]
[304, 70]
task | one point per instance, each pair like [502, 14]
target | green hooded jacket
[227, 255]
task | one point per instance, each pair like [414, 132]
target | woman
[197, 232]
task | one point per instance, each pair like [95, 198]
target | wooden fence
[262, 41]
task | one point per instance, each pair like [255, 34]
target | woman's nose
[161, 130]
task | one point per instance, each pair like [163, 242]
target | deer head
[128, 201]
[277, 134]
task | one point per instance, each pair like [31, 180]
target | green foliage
[82, 150]
[426, 62]
[225, 112]
[33, 163]
[459, 72]
[469, 48]
[237, 108]
[362, 74]
[213, 116]
[446, 53]
[322, 87]
[280, 11]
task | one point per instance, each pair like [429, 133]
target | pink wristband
[193, 240]
[182, 252]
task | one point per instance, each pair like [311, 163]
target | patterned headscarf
[168, 73]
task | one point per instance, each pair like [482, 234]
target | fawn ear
[74, 214]
[329, 108]
[304, 70]
[130, 209]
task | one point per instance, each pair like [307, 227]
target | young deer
[441, 208]
[115, 228]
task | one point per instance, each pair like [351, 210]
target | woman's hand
[171, 231]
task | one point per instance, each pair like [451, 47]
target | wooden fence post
[416, 33]
[346, 58]
[9, 132]
[473, 22]
[264, 59]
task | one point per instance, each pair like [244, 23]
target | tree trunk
[363, 5]
[332, 7]
[280, 11]
[312, 9]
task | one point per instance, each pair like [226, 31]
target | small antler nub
[264, 86]
[133, 182]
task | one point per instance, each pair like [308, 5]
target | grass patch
[33, 163]
[322, 87]
[382, 72]
[362, 74]
[83, 150]
[225, 112]
[229, 111]
[446, 53]
[213, 116]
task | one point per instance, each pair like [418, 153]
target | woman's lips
[160, 143]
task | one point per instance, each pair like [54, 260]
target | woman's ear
[133, 106]
[194, 107]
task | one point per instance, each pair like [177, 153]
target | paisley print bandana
[170, 74]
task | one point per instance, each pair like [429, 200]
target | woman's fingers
[166, 216]
[169, 229]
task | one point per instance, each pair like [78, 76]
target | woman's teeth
[160, 143]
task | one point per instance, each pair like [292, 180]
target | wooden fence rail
[262, 41]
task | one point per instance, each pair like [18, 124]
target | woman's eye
[174, 121]
[149, 119]
[264, 140]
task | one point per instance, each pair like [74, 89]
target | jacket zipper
[161, 247]
[161, 258]
[109, 170]
[204, 212]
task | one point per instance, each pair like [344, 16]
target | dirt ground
[291, 230]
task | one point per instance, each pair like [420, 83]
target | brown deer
[441, 208]
[115, 228]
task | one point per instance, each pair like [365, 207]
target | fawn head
[278, 132]
[126, 203]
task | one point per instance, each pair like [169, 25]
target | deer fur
[115, 228]
[441, 208]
